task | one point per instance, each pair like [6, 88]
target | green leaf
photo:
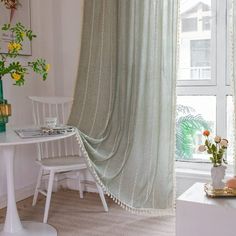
[8, 67]
[213, 146]
[187, 127]
[6, 27]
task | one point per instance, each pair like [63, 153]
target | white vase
[217, 176]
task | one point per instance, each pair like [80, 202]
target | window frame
[212, 81]
[219, 85]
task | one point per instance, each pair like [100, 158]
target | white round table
[13, 225]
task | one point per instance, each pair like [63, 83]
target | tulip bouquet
[216, 148]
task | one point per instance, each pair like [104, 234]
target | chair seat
[63, 163]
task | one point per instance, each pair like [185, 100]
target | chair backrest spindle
[53, 107]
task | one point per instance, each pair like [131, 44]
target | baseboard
[20, 194]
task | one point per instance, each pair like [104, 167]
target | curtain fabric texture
[124, 101]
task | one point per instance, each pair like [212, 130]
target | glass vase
[217, 177]
[5, 109]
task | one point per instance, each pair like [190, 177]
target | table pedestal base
[32, 229]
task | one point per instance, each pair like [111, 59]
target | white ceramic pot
[217, 176]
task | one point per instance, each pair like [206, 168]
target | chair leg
[80, 187]
[49, 194]
[101, 194]
[36, 192]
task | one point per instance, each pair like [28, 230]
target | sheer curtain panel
[124, 100]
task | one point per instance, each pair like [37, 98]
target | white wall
[67, 21]
[57, 24]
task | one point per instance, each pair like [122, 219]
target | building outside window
[204, 98]
[200, 59]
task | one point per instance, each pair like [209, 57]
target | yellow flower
[16, 46]
[48, 66]
[10, 47]
[15, 76]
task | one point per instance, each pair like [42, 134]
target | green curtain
[124, 101]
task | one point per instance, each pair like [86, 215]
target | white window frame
[216, 86]
[212, 81]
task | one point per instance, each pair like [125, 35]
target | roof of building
[187, 5]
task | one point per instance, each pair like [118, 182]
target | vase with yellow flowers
[216, 147]
[12, 68]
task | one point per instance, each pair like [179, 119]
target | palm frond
[184, 109]
[187, 127]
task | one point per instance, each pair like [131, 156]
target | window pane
[200, 53]
[189, 24]
[206, 23]
[195, 40]
[230, 128]
[194, 114]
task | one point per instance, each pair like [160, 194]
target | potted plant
[13, 68]
[216, 148]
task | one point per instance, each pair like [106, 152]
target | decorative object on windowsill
[12, 67]
[216, 148]
[224, 192]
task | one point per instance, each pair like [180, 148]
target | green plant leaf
[187, 126]
[9, 63]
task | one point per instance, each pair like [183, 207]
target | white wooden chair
[57, 156]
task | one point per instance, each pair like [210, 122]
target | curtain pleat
[124, 101]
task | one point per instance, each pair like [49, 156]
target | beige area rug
[73, 216]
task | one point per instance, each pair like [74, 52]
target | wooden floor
[73, 216]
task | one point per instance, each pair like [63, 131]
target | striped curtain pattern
[124, 100]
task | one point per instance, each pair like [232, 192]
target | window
[189, 24]
[206, 23]
[203, 87]
[200, 59]
[230, 128]
[192, 117]
[197, 41]
[200, 53]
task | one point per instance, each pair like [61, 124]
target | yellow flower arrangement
[15, 69]
[9, 65]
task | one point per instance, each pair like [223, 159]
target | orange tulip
[206, 133]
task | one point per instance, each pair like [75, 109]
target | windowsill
[192, 172]
[197, 170]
